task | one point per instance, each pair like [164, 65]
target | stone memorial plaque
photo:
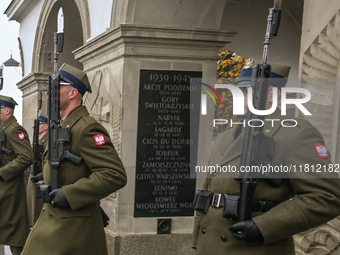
[164, 186]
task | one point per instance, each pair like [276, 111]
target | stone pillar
[113, 62]
[31, 86]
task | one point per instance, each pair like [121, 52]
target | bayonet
[60, 28]
[58, 38]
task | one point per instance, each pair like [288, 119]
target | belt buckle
[216, 200]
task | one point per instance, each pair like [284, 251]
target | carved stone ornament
[319, 72]
[105, 105]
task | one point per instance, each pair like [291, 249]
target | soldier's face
[64, 100]
[4, 114]
[43, 127]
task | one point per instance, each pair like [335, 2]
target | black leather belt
[218, 200]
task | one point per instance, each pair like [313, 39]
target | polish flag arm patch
[99, 139]
[21, 136]
[321, 150]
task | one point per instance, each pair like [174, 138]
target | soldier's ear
[278, 93]
[73, 93]
[8, 111]
[270, 93]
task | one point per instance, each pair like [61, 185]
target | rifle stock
[3, 148]
[252, 155]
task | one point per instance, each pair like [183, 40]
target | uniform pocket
[69, 213]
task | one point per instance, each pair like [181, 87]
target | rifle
[37, 148]
[58, 137]
[3, 148]
[257, 147]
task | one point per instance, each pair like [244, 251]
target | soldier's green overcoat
[34, 204]
[14, 225]
[303, 203]
[79, 230]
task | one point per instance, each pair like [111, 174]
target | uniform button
[204, 231]
[50, 214]
[267, 131]
[43, 209]
[223, 238]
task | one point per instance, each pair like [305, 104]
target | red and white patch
[99, 139]
[321, 150]
[21, 136]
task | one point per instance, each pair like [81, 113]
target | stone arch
[178, 13]
[116, 15]
[21, 57]
[83, 8]
[319, 74]
[76, 29]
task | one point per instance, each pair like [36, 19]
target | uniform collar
[7, 123]
[74, 116]
[43, 139]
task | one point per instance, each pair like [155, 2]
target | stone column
[31, 86]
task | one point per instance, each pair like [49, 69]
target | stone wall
[319, 71]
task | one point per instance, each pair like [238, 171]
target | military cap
[75, 77]
[7, 101]
[278, 76]
[43, 118]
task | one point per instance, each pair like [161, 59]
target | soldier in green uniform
[278, 212]
[34, 204]
[73, 224]
[15, 155]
